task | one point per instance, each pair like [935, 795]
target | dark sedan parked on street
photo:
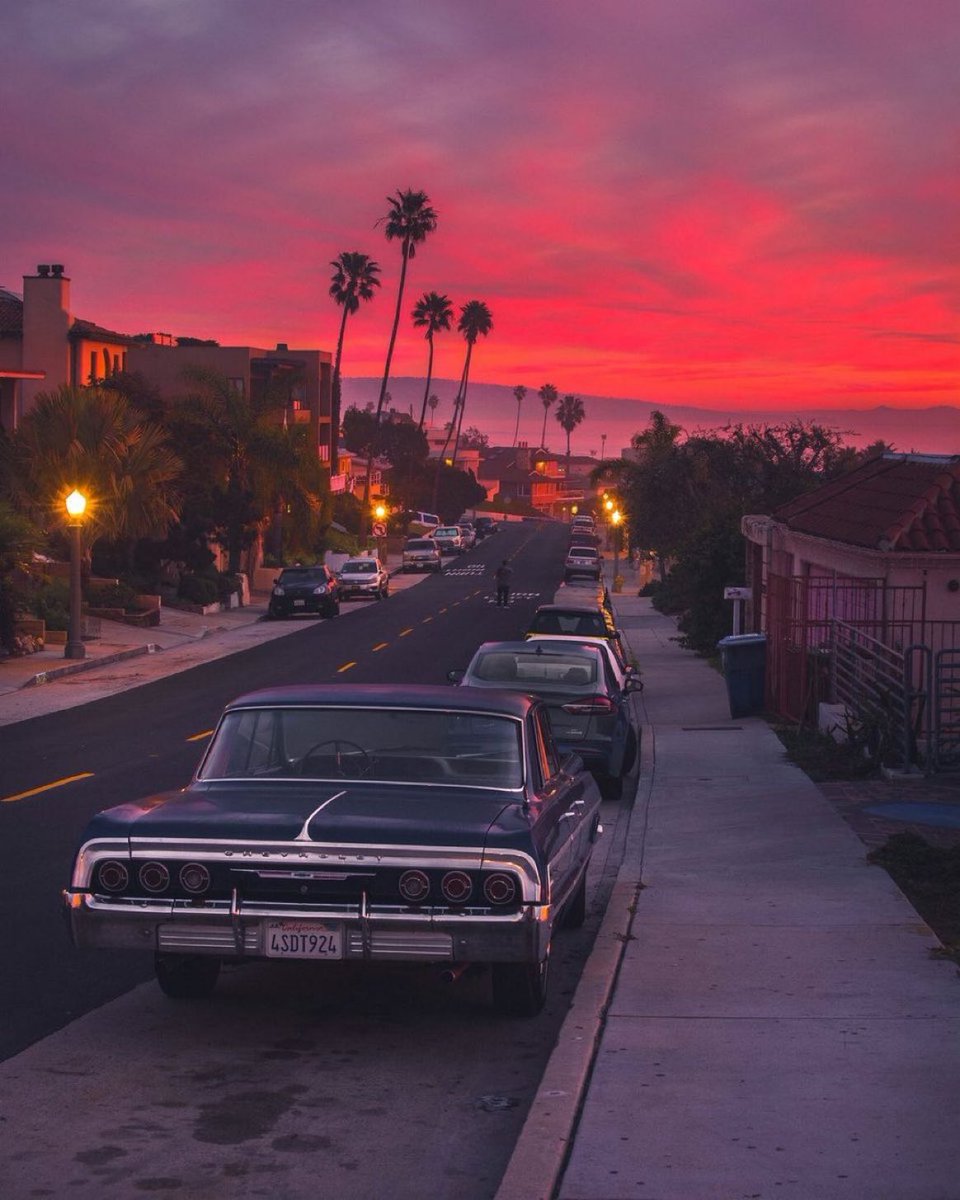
[590, 712]
[344, 823]
[299, 590]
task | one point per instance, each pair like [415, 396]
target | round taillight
[114, 876]
[456, 886]
[500, 888]
[194, 878]
[154, 877]
[414, 886]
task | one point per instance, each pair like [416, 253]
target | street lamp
[76, 504]
[616, 517]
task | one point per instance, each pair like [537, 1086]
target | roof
[96, 333]
[894, 502]
[374, 695]
[11, 314]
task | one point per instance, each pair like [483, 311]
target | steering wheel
[352, 761]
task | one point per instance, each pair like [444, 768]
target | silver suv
[421, 554]
[363, 577]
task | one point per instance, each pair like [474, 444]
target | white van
[428, 520]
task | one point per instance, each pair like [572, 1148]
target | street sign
[379, 529]
[738, 593]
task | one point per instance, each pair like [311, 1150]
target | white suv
[449, 539]
[421, 554]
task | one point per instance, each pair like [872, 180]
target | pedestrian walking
[504, 574]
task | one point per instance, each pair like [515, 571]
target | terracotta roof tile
[897, 502]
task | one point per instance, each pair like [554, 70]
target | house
[43, 345]
[861, 578]
[518, 474]
[301, 380]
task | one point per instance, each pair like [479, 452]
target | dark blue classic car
[417, 824]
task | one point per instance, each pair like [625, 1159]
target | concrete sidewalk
[763, 1015]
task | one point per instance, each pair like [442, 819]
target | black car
[352, 823]
[485, 526]
[299, 590]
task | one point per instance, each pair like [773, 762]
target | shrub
[111, 595]
[199, 589]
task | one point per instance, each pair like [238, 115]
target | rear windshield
[458, 749]
[570, 624]
[448, 531]
[363, 566]
[420, 544]
[583, 551]
[537, 671]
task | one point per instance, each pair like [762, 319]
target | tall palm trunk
[426, 390]
[335, 401]
[443, 453]
[463, 398]
[516, 431]
[375, 448]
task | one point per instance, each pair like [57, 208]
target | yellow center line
[198, 737]
[426, 620]
[404, 632]
[443, 610]
[345, 667]
[46, 787]
[380, 646]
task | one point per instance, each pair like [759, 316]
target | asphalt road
[377, 1081]
[149, 740]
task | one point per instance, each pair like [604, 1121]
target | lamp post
[76, 504]
[616, 517]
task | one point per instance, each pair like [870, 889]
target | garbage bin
[744, 658]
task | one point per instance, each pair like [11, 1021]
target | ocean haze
[491, 407]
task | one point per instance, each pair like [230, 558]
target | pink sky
[751, 203]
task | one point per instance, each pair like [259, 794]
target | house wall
[46, 330]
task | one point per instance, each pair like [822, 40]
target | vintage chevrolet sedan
[345, 823]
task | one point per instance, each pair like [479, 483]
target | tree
[433, 402]
[548, 396]
[475, 321]
[354, 279]
[410, 220]
[402, 444]
[519, 392]
[570, 413]
[92, 439]
[433, 312]
[19, 539]
[474, 438]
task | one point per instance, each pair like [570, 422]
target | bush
[111, 595]
[198, 589]
[51, 603]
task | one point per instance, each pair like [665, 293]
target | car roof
[378, 695]
[558, 645]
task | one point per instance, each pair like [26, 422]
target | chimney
[46, 330]
[282, 348]
[57, 270]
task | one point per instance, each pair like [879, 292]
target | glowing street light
[76, 504]
[615, 519]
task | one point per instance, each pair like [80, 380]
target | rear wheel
[520, 989]
[186, 976]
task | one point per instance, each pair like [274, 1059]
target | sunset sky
[702, 202]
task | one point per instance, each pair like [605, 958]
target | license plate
[303, 939]
[299, 603]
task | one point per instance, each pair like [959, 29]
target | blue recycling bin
[744, 658]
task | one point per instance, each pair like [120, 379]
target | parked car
[584, 537]
[427, 520]
[365, 577]
[449, 539]
[614, 651]
[582, 560]
[468, 534]
[589, 709]
[574, 620]
[299, 590]
[485, 526]
[345, 823]
[584, 591]
[421, 554]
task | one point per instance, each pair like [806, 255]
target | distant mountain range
[491, 407]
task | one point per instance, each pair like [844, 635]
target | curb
[88, 664]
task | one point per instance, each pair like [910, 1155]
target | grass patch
[929, 876]
[823, 758]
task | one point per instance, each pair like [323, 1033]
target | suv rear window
[420, 544]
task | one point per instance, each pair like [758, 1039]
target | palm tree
[570, 413]
[519, 392]
[475, 321]
[433, 402]
[93, 439]
[434, 313]
[354, 278]
[410, 219]
[548, 395]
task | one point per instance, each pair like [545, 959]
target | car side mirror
[456, 675]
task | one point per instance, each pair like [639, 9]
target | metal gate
[945, 750]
